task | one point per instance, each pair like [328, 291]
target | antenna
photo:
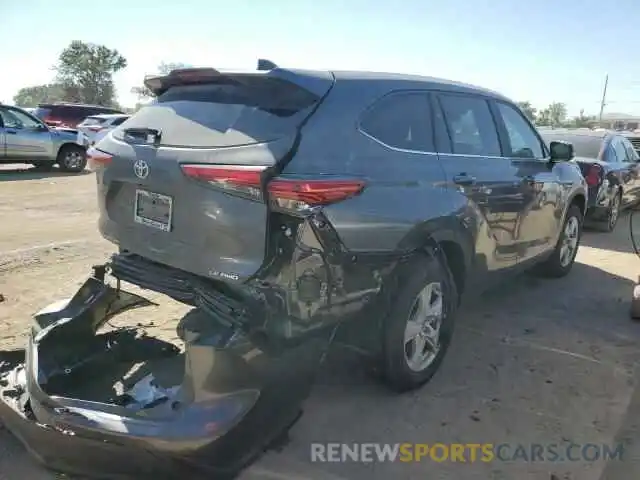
[264, 64]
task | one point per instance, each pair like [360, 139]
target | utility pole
[604, 98]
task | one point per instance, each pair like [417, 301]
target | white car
[97, 126]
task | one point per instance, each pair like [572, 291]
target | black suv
[305, 199]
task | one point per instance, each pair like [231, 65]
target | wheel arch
[452, 238]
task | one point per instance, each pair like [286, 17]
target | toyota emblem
[141, 169]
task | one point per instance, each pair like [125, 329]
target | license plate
[153, 210]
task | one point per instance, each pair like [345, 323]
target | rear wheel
[613, 213]
[418, 330]
[72, 158]
[561, 261]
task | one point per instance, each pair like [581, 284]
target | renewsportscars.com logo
[464, 452]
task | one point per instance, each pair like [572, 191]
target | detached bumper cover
[238, 397]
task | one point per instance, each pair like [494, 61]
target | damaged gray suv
[292, 209]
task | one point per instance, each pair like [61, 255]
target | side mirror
[43, 128]
[561, 151]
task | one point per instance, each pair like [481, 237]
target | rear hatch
[181, 181]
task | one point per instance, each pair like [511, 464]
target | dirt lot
[534, 362]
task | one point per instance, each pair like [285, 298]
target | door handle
[11, 132]
[464, 180]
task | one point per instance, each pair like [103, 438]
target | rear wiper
[143, 135]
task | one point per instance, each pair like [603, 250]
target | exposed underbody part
[116, 403]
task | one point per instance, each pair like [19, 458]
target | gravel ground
[533, 362]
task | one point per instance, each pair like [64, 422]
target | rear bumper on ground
[205, 436]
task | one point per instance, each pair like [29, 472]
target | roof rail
[264, 64]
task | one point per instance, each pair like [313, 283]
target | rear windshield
[89, 121]
[583, 145]
[259, 110]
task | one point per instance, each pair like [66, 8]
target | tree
[85, 71]
[32, 96]
[528, 110]
[557, 113]
[582, 120]
[163, 69]
[554, 115]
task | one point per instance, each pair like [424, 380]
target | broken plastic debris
[146, 392]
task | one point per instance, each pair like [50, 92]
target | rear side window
[89, 121]
[523, 141]
[118, 121]
[256, 110]
[470, 124]
[632, 155]
[618, 147]
[401, 120]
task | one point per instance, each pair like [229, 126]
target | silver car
[26, 139]
[96, 127]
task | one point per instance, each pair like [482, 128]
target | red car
[69, 114]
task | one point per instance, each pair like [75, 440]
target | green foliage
[85, 72]
[528, 110]
[163, 69]
[32, 96]
[555, 115]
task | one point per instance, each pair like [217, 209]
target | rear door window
[258, 109]
[401, 120]
[470, 125]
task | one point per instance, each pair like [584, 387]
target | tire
[558, 265]
[72, 158]
[613, 214]
[401, 370]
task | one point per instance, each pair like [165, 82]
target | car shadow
[34, 173]
[620, 239]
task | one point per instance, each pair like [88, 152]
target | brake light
[297, 194]
[287, 193]
[594, 175]
[97, 159]
[236, 178]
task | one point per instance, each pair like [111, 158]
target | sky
[539, 51]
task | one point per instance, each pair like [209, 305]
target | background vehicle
[610, 166]
[69, 114]
[97, 126]
[26, 139]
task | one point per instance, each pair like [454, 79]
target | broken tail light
[97, 159]
[296, 194]
[594, 175]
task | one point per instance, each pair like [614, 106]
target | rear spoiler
[314, 82]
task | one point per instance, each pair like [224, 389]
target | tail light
[241, 179]
[97, 159]
[594, 175]
[95, 128]
[287, 193]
